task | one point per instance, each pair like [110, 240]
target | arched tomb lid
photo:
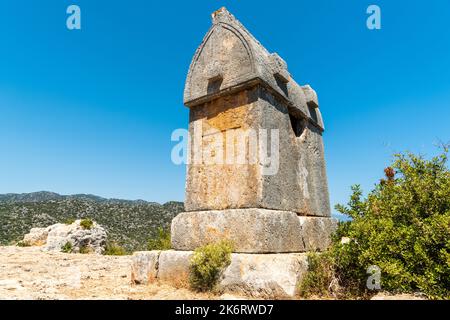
[230, 59]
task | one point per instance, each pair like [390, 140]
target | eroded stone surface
[211, 182]
[316, 232]
[144, 266]
[36, 237]
[252, 230]
[173, 266]
[264, 275]
[300, 185]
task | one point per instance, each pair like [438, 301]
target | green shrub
[207, 264]
[161, 241]
[402, 226]
[320, 275]
[67, 247]
[113, 249]
[23, 244]
[85, 249]
[87, 224]
[69, 221]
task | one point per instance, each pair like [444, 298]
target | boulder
[81, 239]
[36, 237]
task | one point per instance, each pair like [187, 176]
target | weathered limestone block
[252, 230]
[144, 267]
[211, 182]
[173, 266]
[264, 275]
[316, 232]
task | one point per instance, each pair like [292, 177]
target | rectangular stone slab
[252, 230]
[144, 266]
[264, 275]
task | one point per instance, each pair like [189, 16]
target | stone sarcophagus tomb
[256, 173]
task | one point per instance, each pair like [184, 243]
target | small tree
[207, 264]
[161, 241]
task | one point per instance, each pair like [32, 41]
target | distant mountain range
[46, 195]
[130, 223]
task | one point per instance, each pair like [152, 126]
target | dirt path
[29, 273]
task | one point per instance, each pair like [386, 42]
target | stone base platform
[252, 230]
[253, 275]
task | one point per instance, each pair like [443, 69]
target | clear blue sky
[92, 111]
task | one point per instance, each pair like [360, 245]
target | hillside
[130, 223]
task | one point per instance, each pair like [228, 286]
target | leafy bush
[85, 249]
[69, 221]
[207, 264]
[320, 275]
[161, 241]
[23, 244]
[67, 247]
[113, 249]
[87, 224]
[402, 226]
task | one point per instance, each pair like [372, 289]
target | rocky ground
[29, 273]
